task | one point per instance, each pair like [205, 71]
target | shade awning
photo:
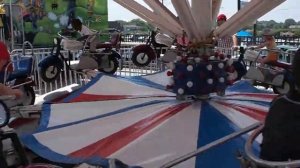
[243, 33]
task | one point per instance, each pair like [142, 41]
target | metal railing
[280, 40]
[68, 77]
[264, 163]
[211, 145]
[127, 68]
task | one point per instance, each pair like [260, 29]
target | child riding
[269, 43]
[85, 32]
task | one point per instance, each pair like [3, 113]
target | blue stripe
[136, 79]
[43, 128]
[213, 125]
[257, 102]
[262, 103]
[82, 89]
[246, 87]
[45, 116]
[144, 82]
[47, 153]
[43, 151]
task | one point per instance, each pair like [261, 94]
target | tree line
[277, 27]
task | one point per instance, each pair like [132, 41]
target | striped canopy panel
[137, 121]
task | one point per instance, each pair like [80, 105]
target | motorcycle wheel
[29, 96]
[140, 59]
[49, 73]
[113, 66]
[287, 87]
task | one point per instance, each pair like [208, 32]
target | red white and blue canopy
[140, 123]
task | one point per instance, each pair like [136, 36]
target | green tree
[138, 22]
[289, 22]
[278, 26]
[271, 24]
[260, 25]
[297, 32]
[122, 22]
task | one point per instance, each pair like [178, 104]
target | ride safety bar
[211, 145]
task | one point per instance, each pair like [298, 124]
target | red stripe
[252, 112]
[109, 145]
[256, 95]
[60, 99]
[21, 122]
[91, 97]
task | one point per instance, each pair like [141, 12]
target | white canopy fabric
[138, 122]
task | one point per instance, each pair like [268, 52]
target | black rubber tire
[135, 59]
[44, 70]
[287, 83]
[112, 61]
[30, 94]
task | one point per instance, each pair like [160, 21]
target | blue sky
[288, 9]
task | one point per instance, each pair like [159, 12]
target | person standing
[226, 45]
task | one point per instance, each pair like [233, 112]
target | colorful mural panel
[42, 19]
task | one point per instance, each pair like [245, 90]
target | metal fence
[68, 77]
[127, 68]
[280, 40]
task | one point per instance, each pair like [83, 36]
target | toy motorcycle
[105, 59]
[143, 54]
[275, 74]
[22, 77]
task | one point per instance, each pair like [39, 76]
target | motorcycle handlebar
[64, 34]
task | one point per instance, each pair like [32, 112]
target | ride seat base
[113, 43]
[104, 45]
[22, 68]
[280, 64]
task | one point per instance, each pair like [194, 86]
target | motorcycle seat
[280, 64]
[113, 43]
[22, 68]
[104, 45]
